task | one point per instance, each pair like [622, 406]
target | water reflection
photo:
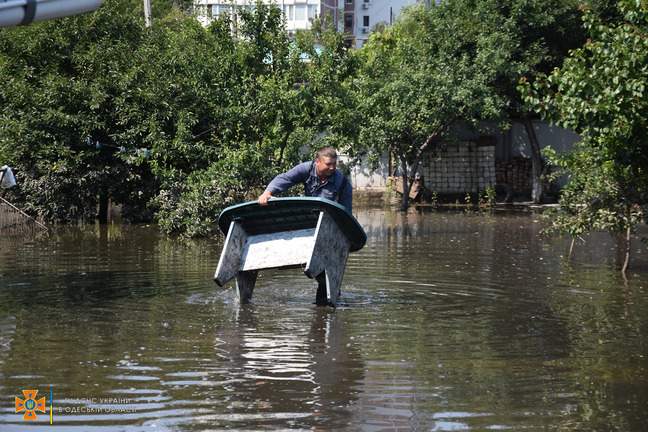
[447, 322]
[306, 366]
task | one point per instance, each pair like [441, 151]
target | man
[320, 178]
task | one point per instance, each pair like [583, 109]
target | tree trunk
[103, 207]
[537, 190]
[407, 185]
[284, 144]
[626, 260]
[571, 248]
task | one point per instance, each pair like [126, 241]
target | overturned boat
[315, 234]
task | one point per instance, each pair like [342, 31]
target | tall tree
[286, 97]
[542, 33]
[61, 91]
[431, 70]
[601, 92]
[177, 119]
[115, 109]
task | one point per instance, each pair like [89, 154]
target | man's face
[325, 166]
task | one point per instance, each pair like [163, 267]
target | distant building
[475, 161]
[299, 14]
[362, 16]
[356, 18]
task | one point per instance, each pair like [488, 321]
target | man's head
[325, 161]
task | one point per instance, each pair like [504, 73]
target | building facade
[362, 16]
[473, 162]
[299, 14]
[355, 18]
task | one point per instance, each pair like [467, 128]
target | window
[220, 9]
[348, 23]
[365, 21]
[289, 11]
[312, 12]
[300, 12]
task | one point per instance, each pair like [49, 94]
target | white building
[299, 13]
[356, 18]
[362, 16]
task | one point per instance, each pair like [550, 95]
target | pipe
[22, 12]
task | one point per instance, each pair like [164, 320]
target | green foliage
[416, 83]
[539, 35]
[434, 199]
[468, 202]
[191, 206]
[187, 119]
[487, 197]
[601, 93]
[280, 105]
[65, 81]
[594, 199]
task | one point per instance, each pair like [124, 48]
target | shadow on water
[447, 322]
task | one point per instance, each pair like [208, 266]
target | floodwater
[447, 322]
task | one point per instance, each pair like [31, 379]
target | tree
[175, 119]
[234, 150]
[416, 83]
[61, 87]
[541, 32]
[328, 77]
[601, 92]
[282, 98]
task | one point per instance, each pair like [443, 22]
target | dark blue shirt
[335, 188]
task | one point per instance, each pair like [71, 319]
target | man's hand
[265, 196]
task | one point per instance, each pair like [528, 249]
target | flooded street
[446, 322]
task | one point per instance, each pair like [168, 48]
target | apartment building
[362, 16]
[356, 18]
[299, 13]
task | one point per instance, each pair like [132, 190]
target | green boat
[315, 234]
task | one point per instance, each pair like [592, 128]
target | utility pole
[147, 12]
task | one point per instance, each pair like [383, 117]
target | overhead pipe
[23, 12]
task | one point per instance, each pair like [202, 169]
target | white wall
[559, 139]
[363, 177]
[298, 13]
[511, 143]
[378, 11]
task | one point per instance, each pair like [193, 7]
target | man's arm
[285, 181]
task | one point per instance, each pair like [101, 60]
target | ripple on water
[445, 323]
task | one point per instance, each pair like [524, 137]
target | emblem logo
[29, 405]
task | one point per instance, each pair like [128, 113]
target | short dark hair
[327, 151]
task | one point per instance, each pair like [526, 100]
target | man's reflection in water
[338, 368]
[291, 370]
